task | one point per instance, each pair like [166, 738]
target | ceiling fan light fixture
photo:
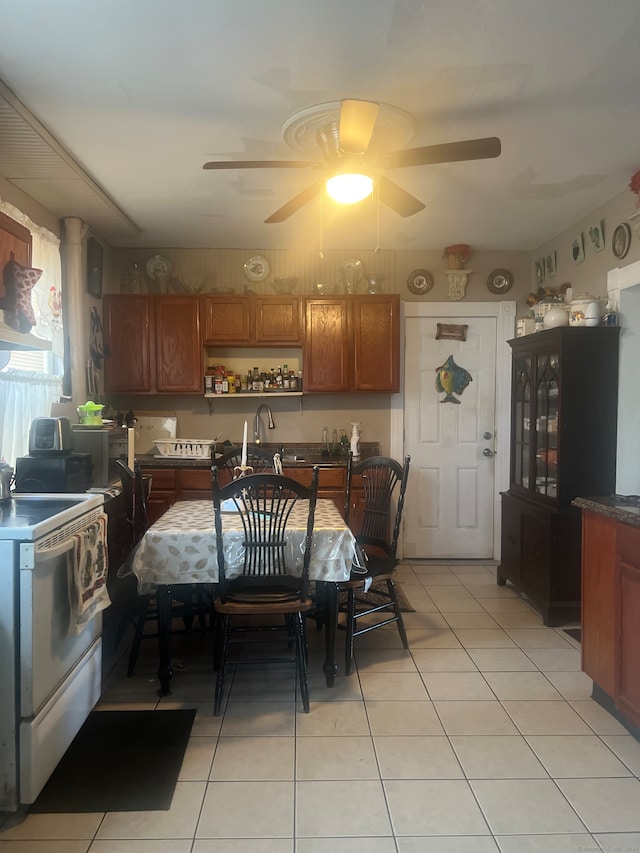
[349, 188]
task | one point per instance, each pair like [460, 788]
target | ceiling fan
[345, 148]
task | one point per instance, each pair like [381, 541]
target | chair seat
[378, 568]
[262, 606]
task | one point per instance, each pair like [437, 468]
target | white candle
[243, 459]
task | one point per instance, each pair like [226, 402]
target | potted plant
[457, 255]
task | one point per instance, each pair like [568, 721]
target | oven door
[49, 647]
[60, 670]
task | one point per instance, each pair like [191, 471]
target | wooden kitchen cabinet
[127, 323]
[326, 345]
[332, 482]
[252, 320]
[598, 642]
[352, 344]
[169, 485]
[178, 348]
[152, 344]
[611, 611]
[375, 330]
[559, 450]
[193, 484]
[226, 319]
[627, 620]
[278, 320]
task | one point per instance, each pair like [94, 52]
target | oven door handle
[55, 551]
[30, 552]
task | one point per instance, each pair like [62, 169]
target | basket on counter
[185, 448]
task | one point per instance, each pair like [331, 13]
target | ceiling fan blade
[295, 204]
[357, 120]
[262, 164]
[449, 152]
[398, 199]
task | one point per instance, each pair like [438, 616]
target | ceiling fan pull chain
[377, 248]
[321, 252]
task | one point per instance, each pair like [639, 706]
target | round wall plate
[420, 282]
[621, 240]
[256, 268]
[500, 281]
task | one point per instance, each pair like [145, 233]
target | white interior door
[449, 509]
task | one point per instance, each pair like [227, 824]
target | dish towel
[89, 566]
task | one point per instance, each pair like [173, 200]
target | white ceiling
[138, 95]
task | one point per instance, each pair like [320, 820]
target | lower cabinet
[163, 491]
[611, 610]
[331, 483]
[169, 485]
[627, 692]
[541, 557]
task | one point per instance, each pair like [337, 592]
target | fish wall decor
[451, 379]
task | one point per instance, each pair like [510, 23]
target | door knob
[487, 435]
[488, 452]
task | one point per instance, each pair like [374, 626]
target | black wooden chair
[271, 581]
[377, 542]
[258, 458]
[187, 599]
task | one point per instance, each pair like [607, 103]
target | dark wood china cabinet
[563, 445]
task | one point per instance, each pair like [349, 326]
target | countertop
[621, 508]
[311, 454]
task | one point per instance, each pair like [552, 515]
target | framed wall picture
[577, 249]
[550, 265]
[94, 268]
[596, 236]
[540, 272]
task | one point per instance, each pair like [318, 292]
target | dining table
[180, 549]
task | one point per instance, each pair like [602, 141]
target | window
[29, 383]
[31, 380]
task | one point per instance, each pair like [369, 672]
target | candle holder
[242, 471]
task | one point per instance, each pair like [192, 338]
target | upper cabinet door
[326, 363]
[226, 319]
[376, 343]
[278, 319]
[127, 326]
[179, 360]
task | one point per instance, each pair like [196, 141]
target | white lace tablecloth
[180, 547]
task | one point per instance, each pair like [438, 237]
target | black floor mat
[120, 761]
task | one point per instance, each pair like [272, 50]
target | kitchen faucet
[256, 426]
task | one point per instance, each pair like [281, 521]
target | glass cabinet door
[522, 423]
[546, 426]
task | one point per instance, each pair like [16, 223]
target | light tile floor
[481, 738]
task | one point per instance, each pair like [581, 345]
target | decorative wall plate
[420, 281]
[158, 265]
[500, 281]
[256, 268]
[621, 240]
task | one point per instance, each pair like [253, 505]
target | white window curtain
[24, 395]
[29, 386]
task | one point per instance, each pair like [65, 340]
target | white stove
[51, 671]
[31, 516]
